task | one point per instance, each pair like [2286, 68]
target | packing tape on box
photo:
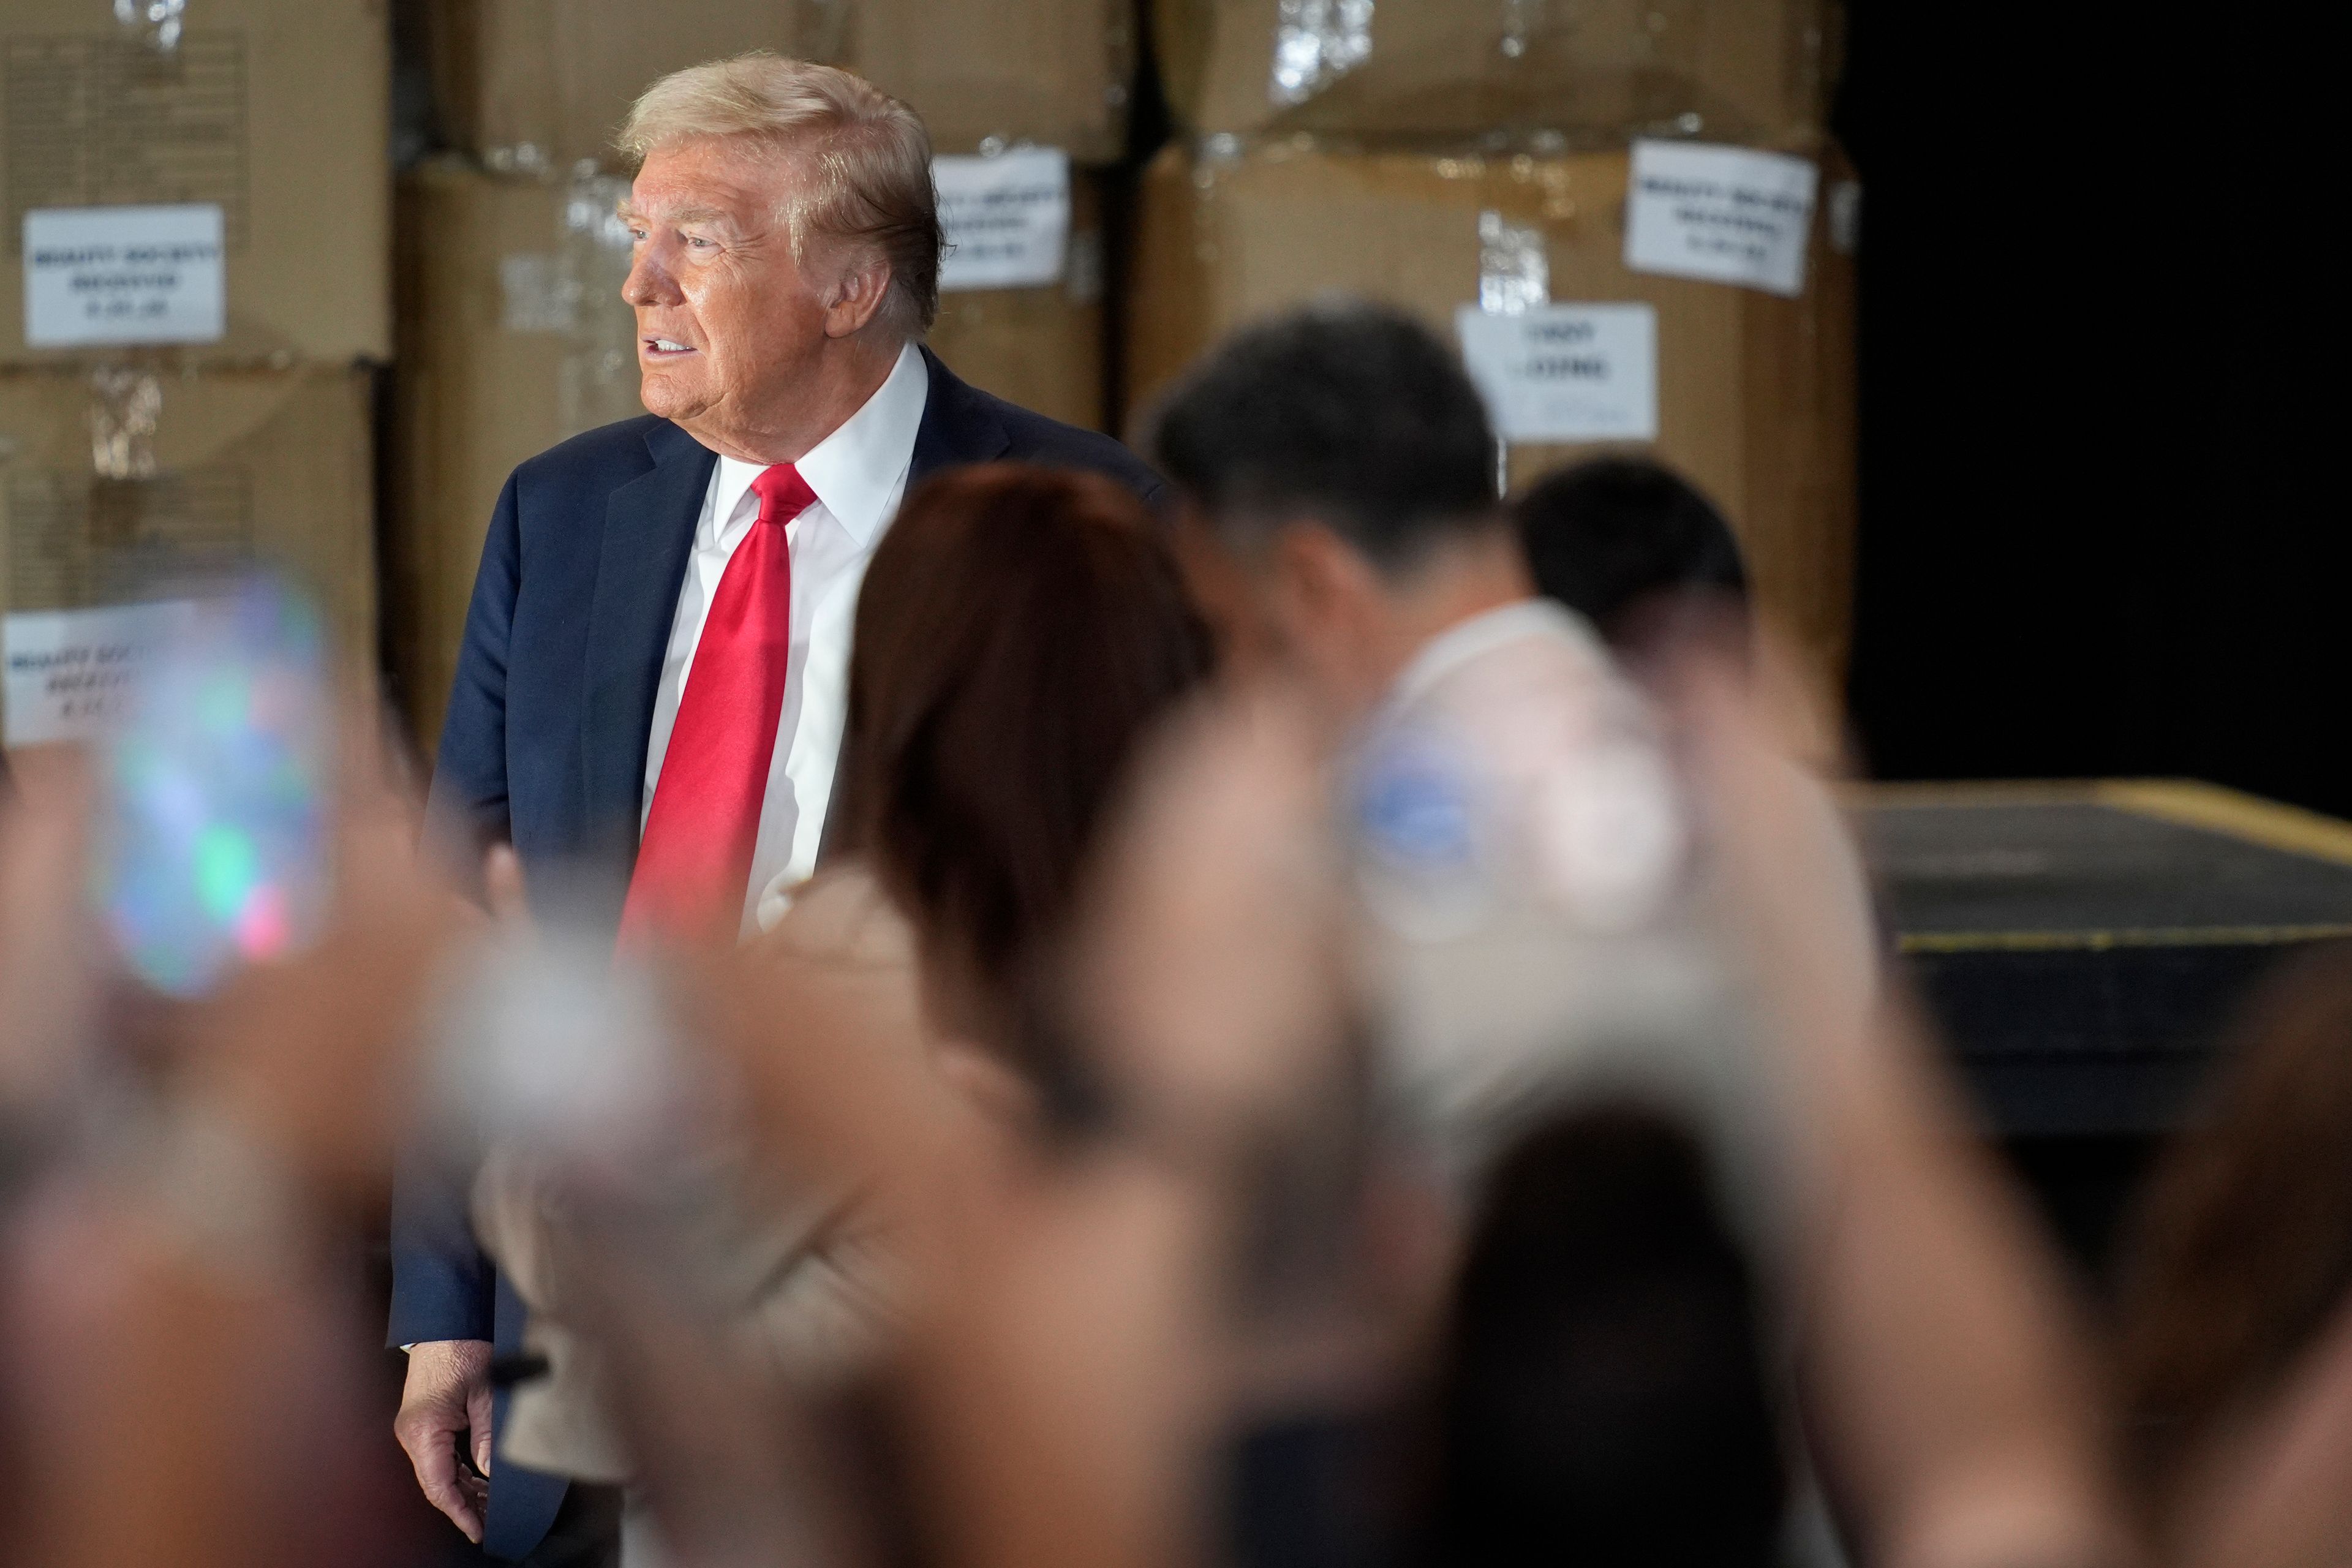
[1514, 272]
[125, 406]
[1315, 42]
[154, 23]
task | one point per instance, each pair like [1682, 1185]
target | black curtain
[2101, 334]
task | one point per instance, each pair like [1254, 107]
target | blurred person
[177, 1375]
[2235, 1301]
[1499, 773]
[47, 978]
[1016, 646]
[1636, 549]
[1604, 1395]
[1061, 1385]
[653, 673]
[1553, 910]
[1646, 560]
[1020, 631]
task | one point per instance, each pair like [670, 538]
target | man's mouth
[662, 348]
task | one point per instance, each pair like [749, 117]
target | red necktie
[695, 861]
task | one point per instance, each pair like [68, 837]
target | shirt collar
[856, 470]
[730, 483]
[1466, 640]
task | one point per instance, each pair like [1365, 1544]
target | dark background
[2100, 338]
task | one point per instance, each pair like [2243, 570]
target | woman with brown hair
[2236, 1343]
[1019, 630]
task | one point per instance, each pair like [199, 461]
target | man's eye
[697, 242]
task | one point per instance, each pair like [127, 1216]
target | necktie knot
[784, 494]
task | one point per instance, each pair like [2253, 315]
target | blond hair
[868, 184]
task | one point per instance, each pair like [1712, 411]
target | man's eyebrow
[677, 215]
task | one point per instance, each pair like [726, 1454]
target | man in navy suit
[656, 659]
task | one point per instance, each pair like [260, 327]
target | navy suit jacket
[544, 746]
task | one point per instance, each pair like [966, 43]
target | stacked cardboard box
[512, 336]
[1753, 71]
[1622, 210]
[1039, 344]
[542, 84]
[197, 229]
[1747, 391]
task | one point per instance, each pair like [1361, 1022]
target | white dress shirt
[859, 475]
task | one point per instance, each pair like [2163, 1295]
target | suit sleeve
[467, 809]
[442, 1283]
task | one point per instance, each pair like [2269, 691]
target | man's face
[728, 323]
[1301, 605]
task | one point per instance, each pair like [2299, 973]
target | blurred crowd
[1343, 1025]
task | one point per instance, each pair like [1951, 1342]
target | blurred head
[1636, 550]
[1338, 480]
[1604, 1400]
[786, 244]
[2242, 1252]
[1018, 631]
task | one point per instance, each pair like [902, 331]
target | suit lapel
[649, 535]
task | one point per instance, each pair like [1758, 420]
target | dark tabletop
[2085, 945]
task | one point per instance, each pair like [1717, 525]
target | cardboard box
[1041, 348]
[1754, 391]
[274, 111]
[539, 85]
[1730, 70]
[217, 470]
[1055, 72]
[513, 336]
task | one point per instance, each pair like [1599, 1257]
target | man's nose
[649, 282]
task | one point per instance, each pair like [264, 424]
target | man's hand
[448, 1392]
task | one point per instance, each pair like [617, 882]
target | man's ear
[857, 294]
[1321, 572]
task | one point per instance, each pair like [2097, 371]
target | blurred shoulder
[1037, 438]
[1032, 437]
[842, 917]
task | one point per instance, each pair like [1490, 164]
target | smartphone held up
[211, 844]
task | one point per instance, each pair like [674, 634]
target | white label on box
[1566, 373]
[71, 674]
[124, 275]
[1725, 214]
[1007, 218]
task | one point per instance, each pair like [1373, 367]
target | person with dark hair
[1628, 543]
[1334, 475]
[1648, 562]
[1539, 915]
[1603, 1399]
[2236, 1296]
[1336, 472]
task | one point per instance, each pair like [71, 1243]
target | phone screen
[214, 841]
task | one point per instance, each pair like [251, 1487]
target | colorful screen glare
[215, 851]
